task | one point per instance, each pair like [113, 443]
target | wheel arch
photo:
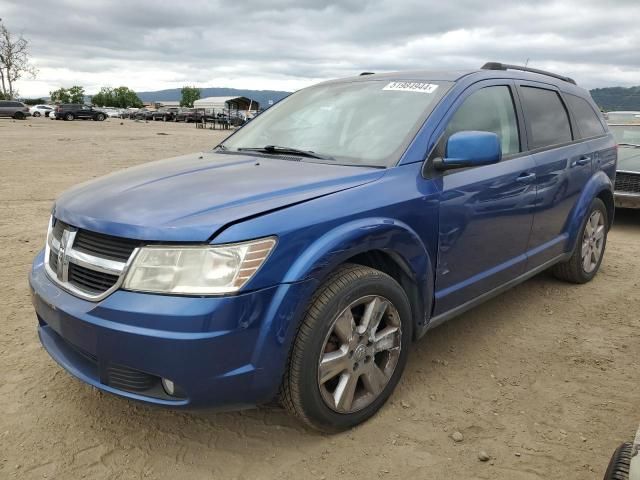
[598, 186]
[381, 243]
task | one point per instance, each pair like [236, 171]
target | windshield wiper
[278, 149]
[635, 145]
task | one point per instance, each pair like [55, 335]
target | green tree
[60, 96]
[189, 95]
[34, 101]
[124, 97]
[104, 98]
[76, 94]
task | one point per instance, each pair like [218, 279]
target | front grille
[86, 256]
[91, 281]
[53, 261]
[119, 376]
[106, 246]
[628, 182]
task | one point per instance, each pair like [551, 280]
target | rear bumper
[221, 352]
[627, 200]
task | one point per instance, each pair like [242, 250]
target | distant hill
[617, 98]
[261, 96]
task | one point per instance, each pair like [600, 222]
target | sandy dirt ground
[544, 379]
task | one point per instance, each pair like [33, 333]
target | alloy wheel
[593, 241]
[359, 354]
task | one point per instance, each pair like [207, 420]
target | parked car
[623, 117]
[72, 111]
[13, 109]
[627, 185]
[144, 114]
[165, 114]
[41, 110]
[110, 111]
[301, 257]
[186, 115]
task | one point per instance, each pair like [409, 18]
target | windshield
[626, 134]
[356, 123]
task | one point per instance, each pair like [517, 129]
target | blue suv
[300, 258]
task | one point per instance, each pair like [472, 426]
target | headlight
[206, 270]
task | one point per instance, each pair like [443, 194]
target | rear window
[547, 117]
[587, 119]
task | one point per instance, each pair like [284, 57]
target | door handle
[526, 177]
[583, 160]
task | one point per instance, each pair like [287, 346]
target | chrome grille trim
[65, 253]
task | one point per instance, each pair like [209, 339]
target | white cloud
[287, 44]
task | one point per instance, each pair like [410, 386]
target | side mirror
[470, 149]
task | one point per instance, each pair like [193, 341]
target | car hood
[192, 197]
[629, 159]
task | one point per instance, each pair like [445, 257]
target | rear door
[485, 212]
[563, 165]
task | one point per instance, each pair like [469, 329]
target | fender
[388, 235]
[598, 183]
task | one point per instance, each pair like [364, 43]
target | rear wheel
[19, 116]
[587, 256]
[69, 117]
[36, 114]
[350, 350]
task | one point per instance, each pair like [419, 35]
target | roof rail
[367, 73]
[506, 66]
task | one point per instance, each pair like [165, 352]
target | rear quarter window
[587, 119]
[547, 117]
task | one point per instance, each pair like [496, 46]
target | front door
[486, 212]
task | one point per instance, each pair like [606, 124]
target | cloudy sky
[289, 44]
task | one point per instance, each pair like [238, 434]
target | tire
[620, 463]
[100, 117]
[308, 396]
[574, 270]
[36, 114]
[19, 116]
[69, 116]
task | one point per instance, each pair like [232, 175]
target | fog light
[168, 386]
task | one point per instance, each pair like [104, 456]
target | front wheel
[100, 117]
[350, 350]
[587, 256]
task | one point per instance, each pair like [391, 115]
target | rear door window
[547, 117]
[587, 119]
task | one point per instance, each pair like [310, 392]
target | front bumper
[220, 351]
[626, 200]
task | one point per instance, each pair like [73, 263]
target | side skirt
[446, 316]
